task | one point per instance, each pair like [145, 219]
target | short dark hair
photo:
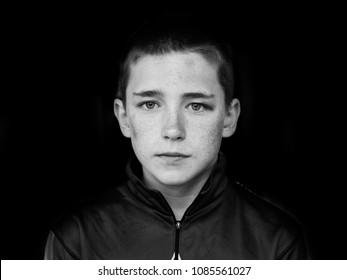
[178, 33]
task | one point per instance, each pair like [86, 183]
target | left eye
[196, 106]
[149, 105]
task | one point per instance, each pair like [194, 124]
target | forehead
[174, 71]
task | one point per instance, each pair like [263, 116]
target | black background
[60, 142]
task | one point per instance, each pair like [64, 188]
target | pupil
[196, 107]
[150, 105]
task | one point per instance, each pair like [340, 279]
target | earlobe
[120, 113]
[231, 117]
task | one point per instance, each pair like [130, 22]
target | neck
[181, 196]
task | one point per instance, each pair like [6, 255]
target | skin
[175, 104]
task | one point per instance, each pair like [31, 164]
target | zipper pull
[177, 241]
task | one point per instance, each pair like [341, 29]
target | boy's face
[176, 117]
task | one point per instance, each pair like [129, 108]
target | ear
[231, 117]
[120, 112]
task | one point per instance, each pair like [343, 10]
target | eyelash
[143, 105]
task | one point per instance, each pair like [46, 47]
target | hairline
[210, 53]
[136, 55]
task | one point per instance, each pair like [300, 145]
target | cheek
[214, 138]
[142, 129]
[208, 134]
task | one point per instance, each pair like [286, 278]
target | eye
[149, 105]
[196, 107]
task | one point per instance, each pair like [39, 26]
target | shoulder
[88, 217]
[260, 208]
[266, 222]
[95, 207]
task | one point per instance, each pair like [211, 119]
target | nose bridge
[173, 124]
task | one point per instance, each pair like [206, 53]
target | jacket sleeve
[296, 250]
[55, 250]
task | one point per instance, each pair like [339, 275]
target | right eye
[149, 105]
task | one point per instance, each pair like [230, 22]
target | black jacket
[225, 221]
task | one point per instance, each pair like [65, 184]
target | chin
[173, 178]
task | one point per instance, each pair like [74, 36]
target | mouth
[173, 155]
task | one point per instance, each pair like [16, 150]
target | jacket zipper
[178, 226]
[177, 240]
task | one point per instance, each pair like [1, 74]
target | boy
[175, 102]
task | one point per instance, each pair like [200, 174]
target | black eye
[196, 106]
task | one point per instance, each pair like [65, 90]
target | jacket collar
[208, 198]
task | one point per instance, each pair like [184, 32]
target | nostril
[173, 126]
[174, 132]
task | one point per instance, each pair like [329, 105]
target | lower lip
[172, 159]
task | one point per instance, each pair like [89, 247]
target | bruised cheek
[214, 137]
[210, 133]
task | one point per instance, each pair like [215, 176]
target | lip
[173, 155]
[172, 158]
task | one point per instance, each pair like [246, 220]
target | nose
[173, 126]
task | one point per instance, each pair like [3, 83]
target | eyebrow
[148, 93]
[191, 95]
[187, 95]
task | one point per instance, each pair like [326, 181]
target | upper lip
[172, 155]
